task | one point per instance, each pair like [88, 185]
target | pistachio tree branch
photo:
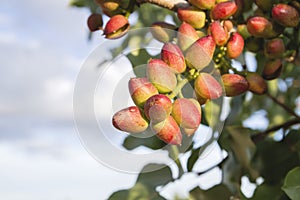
[285, 107]
[169, 4]
[260, 136]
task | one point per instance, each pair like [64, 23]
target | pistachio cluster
[210, 32]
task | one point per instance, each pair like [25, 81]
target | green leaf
[217, 192]
[236, 111]
[274, 159]
[122, 194]
[151, 142]
[212, 111]
[149, 13]
[261, 59]
[267, 192]
[139, 191]
[153, 175]
[139, 59]
[242, 147]
[142, 192]
[232, 173]
[224, 140]
[192, 159]
[90, 4]
[291, 184]
[78, 3]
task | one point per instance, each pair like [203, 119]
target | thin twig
[260, 136]
[285, 107]
[169, 4]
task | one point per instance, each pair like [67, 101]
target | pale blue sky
[43, 45]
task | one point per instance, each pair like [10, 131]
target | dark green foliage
[274, 159]
[216, 192]
[272, 154]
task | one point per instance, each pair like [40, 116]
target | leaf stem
[285, 107]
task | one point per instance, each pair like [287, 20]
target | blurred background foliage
[268, 155]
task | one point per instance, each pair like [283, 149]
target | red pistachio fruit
[130, 120]
[219, 33]
[172, 55]
[257, 84]
[196, 103]
[259, 26]
[235, 46]
[234, 84]
[162, 31]
[116, 27]
[286, 15]
[272, 69]
[95, 22]
[140, 90]
[223, 10]
[158, 107]
[203, 4]
[161, 75]
[207, 87]
[168, 131]
[186, 36]
[200, 54]
[274, 48]
[186, 113]
[193, 16]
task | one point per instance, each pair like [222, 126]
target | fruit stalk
[178, 88]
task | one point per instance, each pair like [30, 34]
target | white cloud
[42, 49]
[7, 37]
[43, 45]
[41, 176]
[29, 78]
